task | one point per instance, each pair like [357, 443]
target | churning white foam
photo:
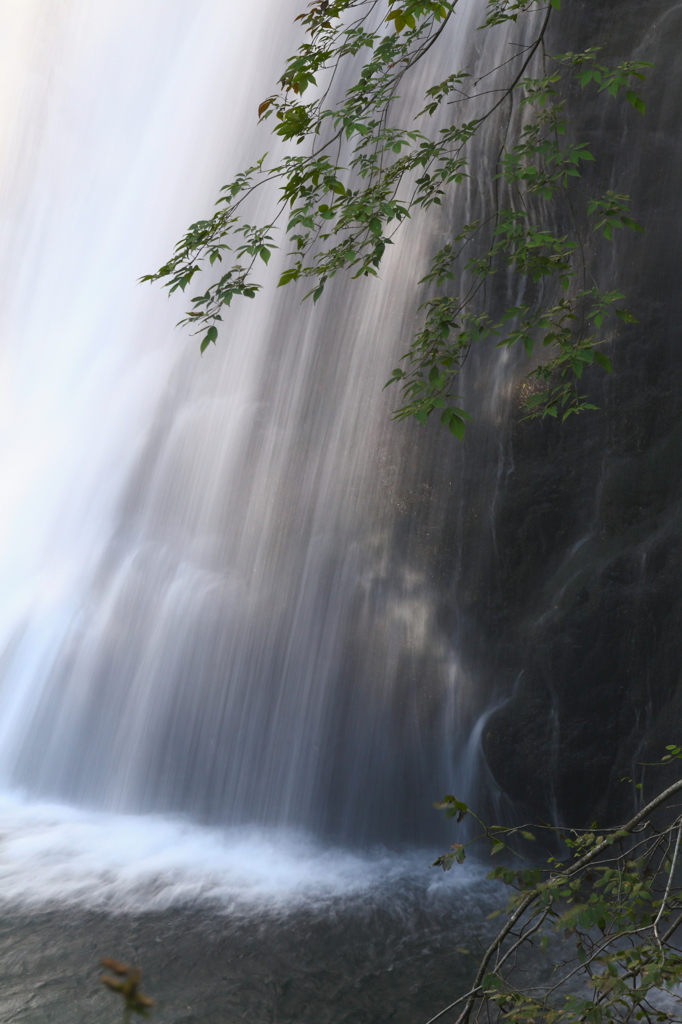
[51, 853]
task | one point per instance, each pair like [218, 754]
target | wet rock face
[586, 617]
[600, 650]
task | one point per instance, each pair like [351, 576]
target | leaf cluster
[125, 981]
[604, 909]
[355, 167]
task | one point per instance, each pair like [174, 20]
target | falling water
[228, 583]
[237, 647]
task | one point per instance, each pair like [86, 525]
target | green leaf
[452, 807]
[289, 275]
[462, 414]
[630, 223]
[534, 400]
[210, 337]
[457, 427]
[635, 100]
[603, 361]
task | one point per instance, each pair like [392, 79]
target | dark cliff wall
[581, 625]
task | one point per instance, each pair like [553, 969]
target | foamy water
[53, 853]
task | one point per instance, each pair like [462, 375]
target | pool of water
[226, 925]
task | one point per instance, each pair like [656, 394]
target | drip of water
[228, 586]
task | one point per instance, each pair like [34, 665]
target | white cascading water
[220, 592]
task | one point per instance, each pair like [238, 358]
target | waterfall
[250, 628]
[228, 585]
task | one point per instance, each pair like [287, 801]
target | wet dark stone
[587, 603]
